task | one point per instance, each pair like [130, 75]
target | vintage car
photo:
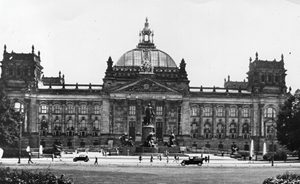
[81, 157]
[193, 160]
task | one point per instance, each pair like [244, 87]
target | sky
[215, 38]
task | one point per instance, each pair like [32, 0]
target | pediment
[146, 86]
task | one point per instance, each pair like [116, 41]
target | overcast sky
[216, 38]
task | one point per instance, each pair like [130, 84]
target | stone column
[261, 119]
[227, 109]
[62, 119]
[213, 122]
[76, 121]
[105, 116]
[200, 128]
[50, 118]
[239, 121]
[185, 118]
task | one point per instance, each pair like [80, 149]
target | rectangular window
[137, 58]
[131, 110]
[43, 109]
[207, 111]
[233, 112]
[128, 59]
[154, 58]
[70, 109]
[159, 110]
[57, 109]
[220, 112]
[246, 113]
[162, 60]
[97, 109]
[83, 109]
[194, 111]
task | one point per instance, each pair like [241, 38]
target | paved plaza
[215, 161]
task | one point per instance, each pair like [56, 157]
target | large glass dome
[156, 57]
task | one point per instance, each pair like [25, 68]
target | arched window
[83, 124]
[233, 130]
[56, 127]
[207, 129]
[220, 128]
[70, 124]
[70, 127]
[96, 124]
[269, 113]
[44, 123]
[245, 128]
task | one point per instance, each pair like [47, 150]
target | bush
[287, 178]
[280, 155]
[21, 177]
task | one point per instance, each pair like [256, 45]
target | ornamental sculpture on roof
[146, 33]
[146, 65]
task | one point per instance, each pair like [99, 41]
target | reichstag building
[95, 116]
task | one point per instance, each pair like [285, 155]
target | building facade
[95, 116]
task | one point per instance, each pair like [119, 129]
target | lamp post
[273, 134]
[20, 109]
[20, 138]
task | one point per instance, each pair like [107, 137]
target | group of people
[159, 157]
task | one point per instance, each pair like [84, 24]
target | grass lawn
[89, 174]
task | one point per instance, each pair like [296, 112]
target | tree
[288, 125]
[9, 121]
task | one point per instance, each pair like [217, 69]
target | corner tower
[266, 76]
[21, 71]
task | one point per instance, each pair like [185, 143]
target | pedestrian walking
[205, 158]
[167, 159]
[52, 156]
[151, 158]
[140, 158]
[29, 158]
[175, 157]
[208, 158]
[96, 161]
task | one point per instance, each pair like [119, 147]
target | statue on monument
[149, 115]
[171, 141]
[125, 140]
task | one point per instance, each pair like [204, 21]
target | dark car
[81, 157]
[193, 160]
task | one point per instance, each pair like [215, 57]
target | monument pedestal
[146, 130]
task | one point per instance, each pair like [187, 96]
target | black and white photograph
[150, 91]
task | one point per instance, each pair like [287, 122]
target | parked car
[193, 160]
[81, 157]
